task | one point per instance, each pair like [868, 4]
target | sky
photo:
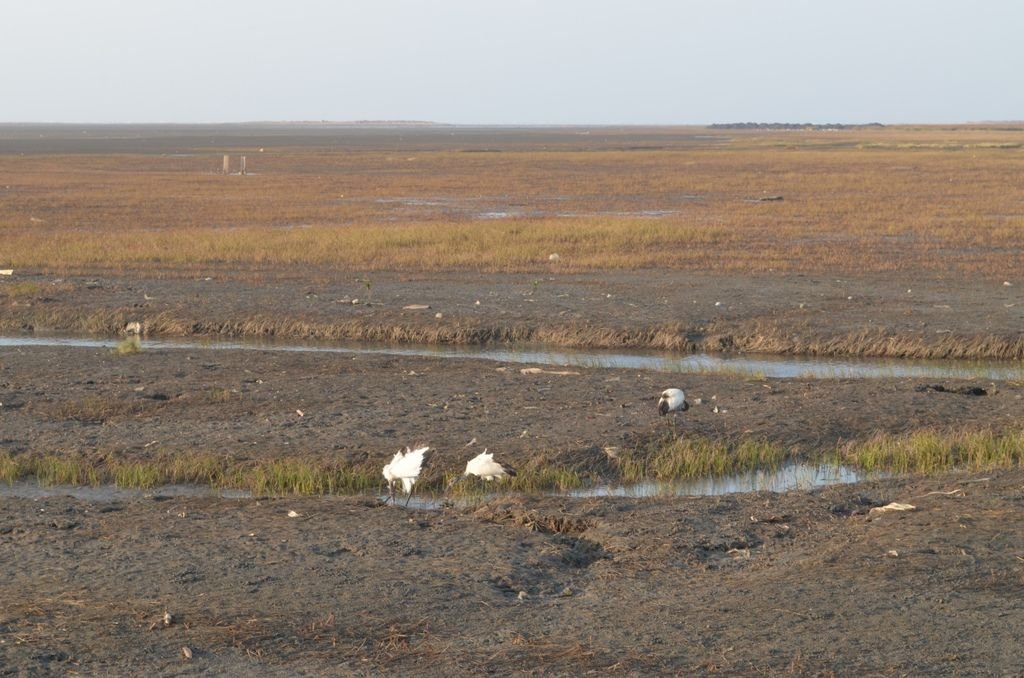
[512, 62]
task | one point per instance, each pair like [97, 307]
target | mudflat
[793, 584]
[845, 242]
[804, 582]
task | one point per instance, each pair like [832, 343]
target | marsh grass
[866, 200]
[58, 470]
[275, 477]
[766, 338]
[96, 408]
[220, 394]
[136, 474]
[128, 346]
[294, 476]
[671, 458]
[925, 451]
[934, 451]
[662, 460]
[20, 289]
[546, 479]
[528, 481]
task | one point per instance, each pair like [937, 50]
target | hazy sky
[517, 61]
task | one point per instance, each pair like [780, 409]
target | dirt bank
[872, 315]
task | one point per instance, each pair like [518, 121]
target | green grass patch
[684, 458]
[278, 477]
[663, 460]
[128, 346]
[546, 479]
[137, 474]
[9, 471]
[932, 451]
[57, 470]
[294, 476]
[527, 481]
[925, 451]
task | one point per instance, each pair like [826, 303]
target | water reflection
[30, 489]
[784, 479]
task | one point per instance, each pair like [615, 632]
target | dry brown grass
[96, 409]
[939, 200]
[765, 338]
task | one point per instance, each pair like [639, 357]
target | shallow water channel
[789, 477]
[775, 366]
[783, 479]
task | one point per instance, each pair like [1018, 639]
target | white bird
[484, 466]
[672, 400]
[404, 466]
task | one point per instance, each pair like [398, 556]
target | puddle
[502, 207]
[784, 479]
[697, 363]
[651, 214]
[30, 489]
[497, 215]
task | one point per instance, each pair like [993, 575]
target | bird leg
[407, 498]
[672, 424]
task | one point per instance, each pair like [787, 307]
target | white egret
[406, 467]
[484, 466]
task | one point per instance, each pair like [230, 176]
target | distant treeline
[789, 125]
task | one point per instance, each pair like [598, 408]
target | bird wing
[391, 468]
[477, 464]
[412, 463]
[497, 468]
[484, 466]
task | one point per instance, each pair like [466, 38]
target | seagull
[672, 400]
[404, 466]
[484, 466]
